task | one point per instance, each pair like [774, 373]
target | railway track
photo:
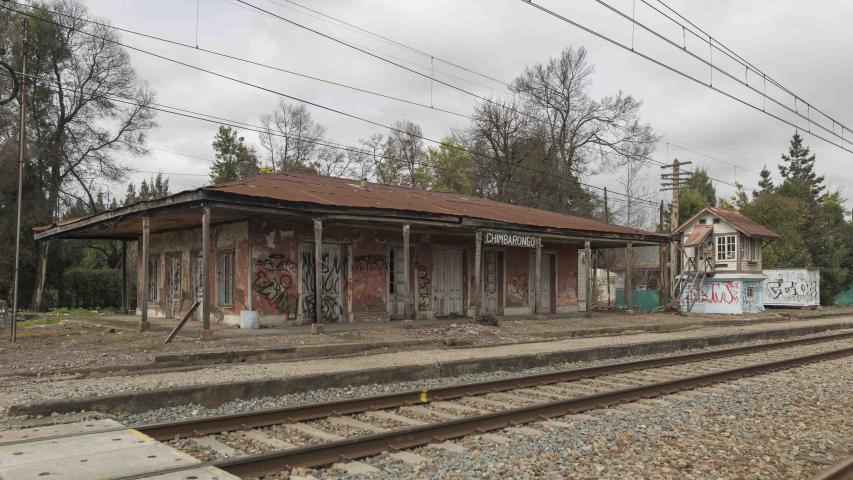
[259, 443]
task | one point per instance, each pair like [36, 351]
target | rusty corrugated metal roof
[744, 224]
[342, 192]
[698, 235]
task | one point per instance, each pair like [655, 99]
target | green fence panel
[845, 298]
[642, 300]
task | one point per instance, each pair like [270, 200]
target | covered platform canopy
[301, 197]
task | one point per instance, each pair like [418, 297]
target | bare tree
[291, 137]
[576, 126]
[632, 212]
[499, 139]
[403, 155]
[86, 105]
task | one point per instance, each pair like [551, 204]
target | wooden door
[491, 281]
[448, 282]
[331, 308]
[396, 284]
[543, 289]
[173, 284]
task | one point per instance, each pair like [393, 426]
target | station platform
[95, 450]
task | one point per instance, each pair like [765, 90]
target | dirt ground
[89, 340]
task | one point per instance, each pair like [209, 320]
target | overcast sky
[806, 47]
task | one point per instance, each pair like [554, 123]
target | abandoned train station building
[302, 248]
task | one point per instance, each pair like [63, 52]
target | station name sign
[511, 239]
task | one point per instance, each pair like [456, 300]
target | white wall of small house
[723, 228]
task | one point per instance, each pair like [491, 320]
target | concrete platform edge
[213, 395]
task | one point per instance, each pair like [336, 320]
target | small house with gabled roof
[720, 262]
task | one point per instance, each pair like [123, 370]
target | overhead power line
[264, 65]
[258, 129]
[396, 43]
[693, 78]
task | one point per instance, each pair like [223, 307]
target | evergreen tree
[697, 194]
[799, 166]
[234, 160]
[765, 184]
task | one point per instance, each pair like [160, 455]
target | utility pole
[22, 137]
[662, 278]
[673, 181]
[606, 270]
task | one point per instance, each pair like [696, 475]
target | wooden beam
[206, 334]
[125, 299]
[537, 281]
[629, 287]
[144, 324]
[407, 283]
[588, 256]
[478, 277]
[318, 270]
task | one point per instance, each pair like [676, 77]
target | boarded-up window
[225, 278]
[154, 278]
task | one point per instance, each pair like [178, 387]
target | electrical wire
[681, 73]
[307, 102]
[245, 126]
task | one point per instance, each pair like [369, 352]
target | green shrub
[93, 289]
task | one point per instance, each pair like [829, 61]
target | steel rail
[842, 470]
[358, 447]
[275, 416]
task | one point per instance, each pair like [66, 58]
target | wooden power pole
[672, 181]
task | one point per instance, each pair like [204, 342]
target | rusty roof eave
[194, 199]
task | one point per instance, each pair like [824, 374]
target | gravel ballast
[789, 424]
[34, 390]
[190, 411]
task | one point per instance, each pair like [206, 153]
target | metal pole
[22, 138]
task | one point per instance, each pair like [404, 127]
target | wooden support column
[125, 300]
[206, 334]
[144, 324]
[538, 276]
[407, 283]
[318, 271]
[588, 255]
[205, 273]
[629, 287]
[478, 277]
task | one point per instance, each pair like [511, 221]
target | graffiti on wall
[369, 263]
[273, 281]
[752, 297]
[727, 293]
[331, 309]
[424, 286]
[517, 287]
[792, 287]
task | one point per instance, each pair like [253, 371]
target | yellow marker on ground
[424, 397]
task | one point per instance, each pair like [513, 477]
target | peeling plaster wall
[370, 275]
[567, 281]
[517, 281]
[275, 271]
[185, 243]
